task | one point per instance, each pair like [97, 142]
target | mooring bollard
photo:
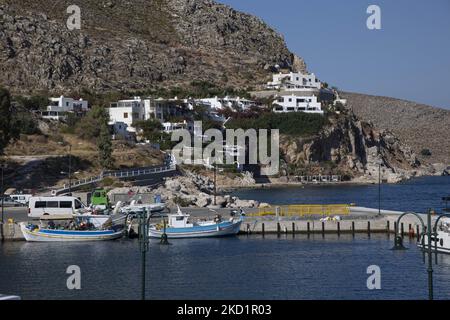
[410, 231]
[285, 230]
[368, 228]
[323, 229]
[353, 229]
[278, 229]
[262, 229]
[388, 228]
[418, 233]
[339, 228]
[395, 228]
[308, 229]
[402, 229]
[293, 229]
[248, 228]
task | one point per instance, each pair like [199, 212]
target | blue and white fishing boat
[180, 226]
[78, 228]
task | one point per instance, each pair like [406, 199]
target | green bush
[295, 124]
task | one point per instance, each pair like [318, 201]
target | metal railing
[118, 174]
[304, 210]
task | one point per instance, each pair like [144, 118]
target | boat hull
[442, 245]
[47, 235]
[220, 230]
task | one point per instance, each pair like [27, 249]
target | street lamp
[430, 233]
[144, 239]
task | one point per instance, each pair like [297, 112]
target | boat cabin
[179, 221]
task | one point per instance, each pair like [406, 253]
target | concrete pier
[359, 220]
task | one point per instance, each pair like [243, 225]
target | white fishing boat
[441, 242]
[139, 207]
[180, 226]
[76, 228]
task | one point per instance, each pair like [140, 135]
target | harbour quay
[295, 219]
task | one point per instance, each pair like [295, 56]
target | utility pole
[215, 182]
[379, 178]
[70, 169]
[2, 166]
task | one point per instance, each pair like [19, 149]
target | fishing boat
[75, 228]
[441, 242]
[135, 207]
[180, 226]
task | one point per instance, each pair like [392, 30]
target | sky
[408, 58]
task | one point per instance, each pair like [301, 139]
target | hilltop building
[297, 103]
[58, 108]
[293, 81]
[217, 103]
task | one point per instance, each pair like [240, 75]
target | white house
[58, 107]
[230, 102]
[64, 104]
[124, 113]
[294, 81]
[296, 103]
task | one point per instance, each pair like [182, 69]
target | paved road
[21, 213]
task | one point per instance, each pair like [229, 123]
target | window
[40, 204]
[78, 204]
[65, 204]
[125, 115]
[280, 100]
[300, 100]
[290, 109]
[290, 99]
[52, 204]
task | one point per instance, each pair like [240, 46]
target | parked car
[21, 198]
[8, 202]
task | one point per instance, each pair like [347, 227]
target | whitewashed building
[297, 103]
[217, 103]
[123, 114]
[58, 108]
[294, 81]
[64, 104]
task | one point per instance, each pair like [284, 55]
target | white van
[61, 206]
[21, 198]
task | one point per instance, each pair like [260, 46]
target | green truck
[99, 198]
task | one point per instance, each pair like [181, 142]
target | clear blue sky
[408, 58]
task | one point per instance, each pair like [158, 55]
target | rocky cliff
[418, 125]
[349, 146]
[134, 45]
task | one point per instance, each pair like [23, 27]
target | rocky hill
[134, 45]
[417, 125]
[351, 147]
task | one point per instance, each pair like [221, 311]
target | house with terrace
[296, 103]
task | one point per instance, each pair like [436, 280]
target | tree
[150, 129]
[91, 125]
[5, 119]
[104, 145]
